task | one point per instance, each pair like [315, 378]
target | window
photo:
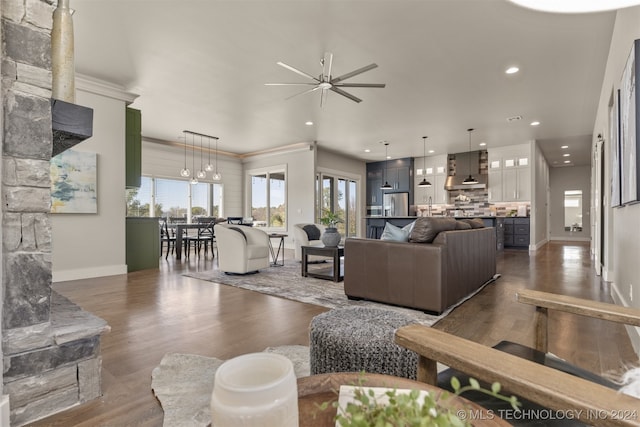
[174, 198]
[269, 198]
[339, 195]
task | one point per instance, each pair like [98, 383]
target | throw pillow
[239, 231]
[394, 233]
[475, 222]
[313, 232]
[463, 225]
[427, 228]
[409, 227]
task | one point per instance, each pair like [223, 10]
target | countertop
[442, 216]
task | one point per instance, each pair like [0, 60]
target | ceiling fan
[325, 82]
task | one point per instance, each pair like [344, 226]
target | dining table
[180, 229]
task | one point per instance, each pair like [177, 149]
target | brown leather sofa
[425, 276]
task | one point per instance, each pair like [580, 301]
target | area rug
[183, 384]
[287, 282]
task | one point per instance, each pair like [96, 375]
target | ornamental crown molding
[104, 88]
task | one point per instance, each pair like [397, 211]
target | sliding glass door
[339, 194]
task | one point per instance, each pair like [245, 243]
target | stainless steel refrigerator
[396, 204]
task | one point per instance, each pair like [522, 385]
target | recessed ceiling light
[482, 144]
[564, 147]
[309, 123]
[536, 123]
[566, 155]
[431, 151]
[388, 157]
[567, 161]
[512, 70]
[366, 150]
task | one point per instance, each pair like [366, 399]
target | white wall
[93, 245]
[623, 237]
[164, 161]
[539, 206]
[561, 180]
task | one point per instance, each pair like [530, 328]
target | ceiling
[201, 66]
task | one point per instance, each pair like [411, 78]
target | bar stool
[375, 231]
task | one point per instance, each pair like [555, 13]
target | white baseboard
[88, 273]
[570, 239]
[5, 411]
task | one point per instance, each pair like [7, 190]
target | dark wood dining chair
[166, 238]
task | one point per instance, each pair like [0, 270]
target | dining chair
[166, 237]
[235, 220]
[204, 236]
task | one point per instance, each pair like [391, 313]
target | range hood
[70, 124]
[465, 164]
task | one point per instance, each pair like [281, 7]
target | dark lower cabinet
[516, 232]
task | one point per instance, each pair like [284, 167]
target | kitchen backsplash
[473, 203]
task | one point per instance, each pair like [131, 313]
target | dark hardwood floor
[156, 312]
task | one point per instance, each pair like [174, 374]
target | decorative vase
[330, 237]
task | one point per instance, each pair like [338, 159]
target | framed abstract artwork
[629, 138]
[614, 142]
[73, 182]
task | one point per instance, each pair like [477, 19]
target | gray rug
[183, 384]
[286, 282]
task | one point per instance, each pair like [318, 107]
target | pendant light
[217, 176]
[194, 180]
[386, 185]
[424, 182]
[470, 179]
[201, 173]
[185, 172]
[209, 166]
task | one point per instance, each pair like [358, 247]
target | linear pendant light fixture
[470, 179]
[424, 182]
[202, 172]
[386, 185]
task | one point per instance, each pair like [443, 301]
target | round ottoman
[360, 339]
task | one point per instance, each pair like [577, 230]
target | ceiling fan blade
[327, 62]
[346, 94]
[380, 85]
[295, 70]
[302, 93]
[290, 84]
[354, 73]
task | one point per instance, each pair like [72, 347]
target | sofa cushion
[427, 228]
[394, 233]
[463, 225]
[313, 232]
[474, 222]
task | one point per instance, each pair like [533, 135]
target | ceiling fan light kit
[325, 82]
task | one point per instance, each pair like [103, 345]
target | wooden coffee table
[317, 389]
[333, 252]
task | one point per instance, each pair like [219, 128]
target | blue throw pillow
[394, 233]
[313, 232]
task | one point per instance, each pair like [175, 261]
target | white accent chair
[300, 238]
[241, 249]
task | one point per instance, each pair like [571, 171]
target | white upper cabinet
[509, 174]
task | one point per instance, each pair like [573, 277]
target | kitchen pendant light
[185, 172]
[201, 173]
[217, 176]
[386, 185]
[470, 179]
[424, 182]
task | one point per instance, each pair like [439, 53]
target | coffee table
[333, 252]
[317, 389]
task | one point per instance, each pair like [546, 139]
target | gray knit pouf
[360, 339]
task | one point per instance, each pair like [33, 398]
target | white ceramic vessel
[255, 390]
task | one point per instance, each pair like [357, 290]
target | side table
[276, 254]
[333, 252]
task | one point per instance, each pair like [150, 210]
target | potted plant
[330, 237]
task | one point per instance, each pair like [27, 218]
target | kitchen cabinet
[435, 171]
[516, 232]
[373, 191]
[133, 148]
[398, 173]
[142, 243]
[509, 174]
